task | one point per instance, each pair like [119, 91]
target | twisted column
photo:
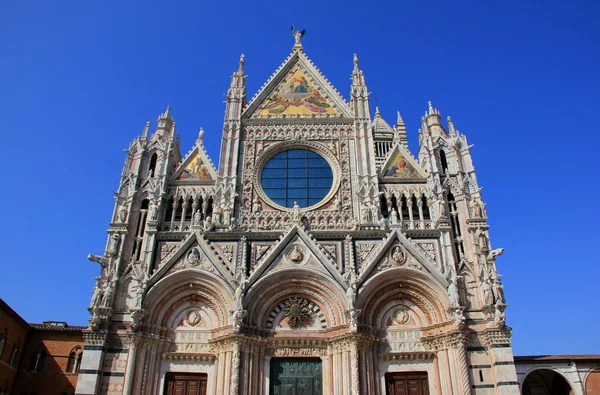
[235, 370]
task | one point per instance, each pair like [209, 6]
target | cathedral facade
[319, 257]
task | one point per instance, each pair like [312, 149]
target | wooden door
[296, 376]
[409, 383]
[185, 384]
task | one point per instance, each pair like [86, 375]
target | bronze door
[185, 384]
[296, 376]
[413, 383]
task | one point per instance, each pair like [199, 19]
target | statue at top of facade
[476, 206]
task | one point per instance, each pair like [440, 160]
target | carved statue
[453, 290]
[482, 240]
[256, 207]
[113, 246]
[296, 212]
[488, 293]
[498, 291]
[351, 296]
[296, 254]
[217, 215]
[108, 296]
[197, 218]
[205, 206]
[476, 208]
[366, 212]
[441, 209]
[238, 318]
[153, 210]
[337, 206]
[96, 297]
[226, 215]
[122, 213]
[394, 217]
[353, 319]
[139, 294]
[374, 212]
[398, 255]
[298, 35]
[499, 315]
[238, 296]
[208, 224]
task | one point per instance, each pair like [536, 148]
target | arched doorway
[546, 382]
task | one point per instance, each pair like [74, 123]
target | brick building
[38, 359]
[13, 333]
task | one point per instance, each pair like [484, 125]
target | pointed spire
[200, 139]
[145, 132]
[400, 121]
[241, 63]
[431, 110]
[355, 62]
[451, 126]
[166, 114]
[401, 131]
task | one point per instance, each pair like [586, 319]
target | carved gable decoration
[196, 167]
[296, 249]
[297, 90]
[401, 165]
[194, 253]
[398, 251]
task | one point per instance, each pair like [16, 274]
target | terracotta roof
[538, 358]
[57, 326]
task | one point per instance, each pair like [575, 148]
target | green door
[296, 376]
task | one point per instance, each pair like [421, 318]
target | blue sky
[519, 78]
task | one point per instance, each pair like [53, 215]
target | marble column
[90, 371]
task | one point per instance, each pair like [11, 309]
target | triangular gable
[297, 89]
[196, 167]
[295, 233]
[195, 239]
[400, 165]
[410, 250]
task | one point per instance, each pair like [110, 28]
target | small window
[74, 360]
[152, 166]
[444, 162]
[37, 360]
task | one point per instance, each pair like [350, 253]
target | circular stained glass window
[296, 175]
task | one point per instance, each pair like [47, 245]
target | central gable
[297, 90]
[296, 94]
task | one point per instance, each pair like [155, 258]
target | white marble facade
[382, 265]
